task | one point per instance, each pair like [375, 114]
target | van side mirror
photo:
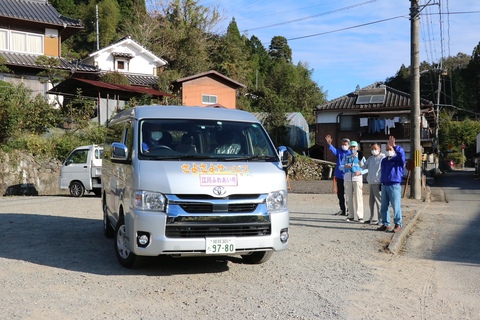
[287, 157]
[119, 152]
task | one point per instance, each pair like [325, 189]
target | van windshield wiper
[252, 158]
[182, 157]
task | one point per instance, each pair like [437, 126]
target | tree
[129, 12]
[84, 42]
[52, 72]
[307, 92]
[183, 35]
[401, 80]
[20, 113]
[455, 133]
[115, 77]
[260, 62]
[65, 7]
[279, 49]
[231, 56]
[3, 67]
[144, 27]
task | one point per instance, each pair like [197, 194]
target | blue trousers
[391, 195]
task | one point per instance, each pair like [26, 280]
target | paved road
[447, 241]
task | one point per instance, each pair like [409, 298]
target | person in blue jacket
[340, 153]
[392, 168]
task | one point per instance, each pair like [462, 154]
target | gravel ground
[56, 264]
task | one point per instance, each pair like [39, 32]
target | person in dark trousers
[392, 169]
[340, 153]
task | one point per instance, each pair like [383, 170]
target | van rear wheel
[76, 189]
[122, 247]
[257, 257]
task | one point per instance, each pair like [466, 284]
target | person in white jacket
[353, 168]
[373, 164]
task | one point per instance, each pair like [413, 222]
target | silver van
[193, 181]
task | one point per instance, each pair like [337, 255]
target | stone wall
[24, 174]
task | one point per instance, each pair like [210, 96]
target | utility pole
[415, 146]
[96, 26]
[437, 112]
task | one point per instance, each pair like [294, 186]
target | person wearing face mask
[152, 134]
[353, 167]
[373, 164]
[392, 169]
[340, 153]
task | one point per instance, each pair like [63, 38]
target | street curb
[398, 239]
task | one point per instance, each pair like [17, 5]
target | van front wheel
[257, 257]
[122, 247]
[76, 189]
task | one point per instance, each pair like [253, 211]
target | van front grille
[198, 207]
[234, 230]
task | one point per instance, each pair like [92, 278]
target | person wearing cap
[392, 169]
[340, 153]
[352, 166]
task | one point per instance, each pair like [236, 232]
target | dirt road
[55, 263]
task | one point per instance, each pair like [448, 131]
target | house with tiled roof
[128, 57]
[208, 89]
[30, 29]
[370, 115]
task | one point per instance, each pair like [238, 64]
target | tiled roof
[28, 60]
[36, 10]
[394, 99]
[213, 74]
[92, 88]
[138, 79]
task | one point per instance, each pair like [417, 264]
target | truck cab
[81, 171]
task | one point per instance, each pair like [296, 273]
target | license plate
[220, 245]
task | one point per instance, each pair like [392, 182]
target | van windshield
[204, 139]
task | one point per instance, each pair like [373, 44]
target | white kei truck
[82, 170]
[193, 181]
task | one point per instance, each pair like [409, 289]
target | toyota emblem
[219, 191]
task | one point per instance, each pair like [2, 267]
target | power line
[370, 23]
[347, 28]
[310, 17]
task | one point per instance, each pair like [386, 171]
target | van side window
[114, 134]
[129, 138]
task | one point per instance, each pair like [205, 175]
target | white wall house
[128, 57]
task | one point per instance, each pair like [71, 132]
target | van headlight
[145, 200]
[277, 201]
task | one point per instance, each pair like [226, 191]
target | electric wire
[310, 17]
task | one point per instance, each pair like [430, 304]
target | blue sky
[359, 55]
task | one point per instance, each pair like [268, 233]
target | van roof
[183, 112]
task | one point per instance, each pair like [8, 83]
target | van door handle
[85, 167]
